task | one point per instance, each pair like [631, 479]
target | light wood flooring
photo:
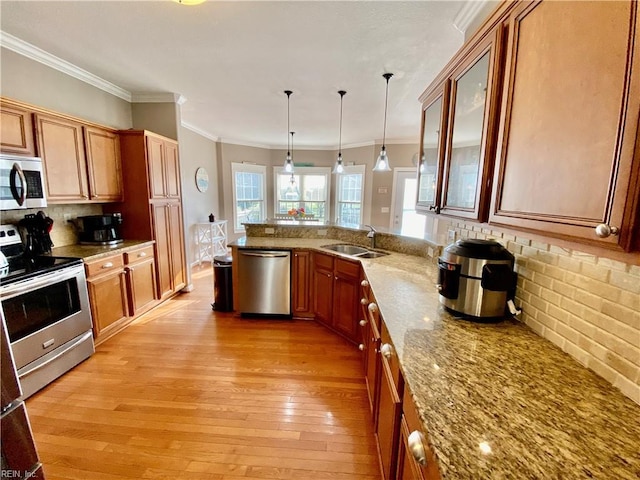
[186, 393]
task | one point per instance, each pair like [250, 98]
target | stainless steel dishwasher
[264, 282]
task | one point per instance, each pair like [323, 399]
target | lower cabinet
[335, 286]
[301, 301]
[107, 285]
[121, 286]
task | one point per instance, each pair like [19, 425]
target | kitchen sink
[354, 251]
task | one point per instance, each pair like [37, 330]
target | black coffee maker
[100, 229]
[36, 228]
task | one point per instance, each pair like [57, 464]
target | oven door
[45, 312]
[21, 183]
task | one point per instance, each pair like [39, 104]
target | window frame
[326, 171]
[248, 168]
[350, 170]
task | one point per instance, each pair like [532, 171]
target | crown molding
[244, 143]
[158, 97]
[32, 52]
[200, 132]
[467, 14]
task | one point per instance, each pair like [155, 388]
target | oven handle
[16, 170]
[83, 338]
[31, 284]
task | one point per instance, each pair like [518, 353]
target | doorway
[404, 218]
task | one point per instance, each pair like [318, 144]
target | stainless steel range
[47, 312]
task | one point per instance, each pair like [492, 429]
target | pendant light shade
[339, 166]
[288, 161]
[382, 163]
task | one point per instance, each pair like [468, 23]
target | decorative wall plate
[202, 179]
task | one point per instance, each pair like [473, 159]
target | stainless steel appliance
[48, 318]
[100, 229]
[264, 282]
[476, 278]
[21, 182]
[19, 455]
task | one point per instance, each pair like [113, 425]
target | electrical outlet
[67, 217]
[269, 230]
[384, 210]
[322, 233]
[451, 235]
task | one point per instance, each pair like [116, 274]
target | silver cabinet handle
[361, 347]
[386, 350]
[416, 443]
[107, 265]
[142, 254]
[362, 322]
[364, 283]
[603, 230]
[363, 301]
[373, 307]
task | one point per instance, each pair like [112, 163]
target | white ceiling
[233, 60]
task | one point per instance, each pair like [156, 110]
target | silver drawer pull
[416, 443]
[386, 350]
[142, 254]
[107, 265]
[373, 307]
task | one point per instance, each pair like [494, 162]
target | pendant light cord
[342, 94]
[288, 92]
[386, 101]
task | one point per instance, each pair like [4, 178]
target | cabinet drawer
[390, 357]
[138, 255]
[323, 262]
[347, 268]
[104, 265]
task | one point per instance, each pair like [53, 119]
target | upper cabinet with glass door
[458, 127]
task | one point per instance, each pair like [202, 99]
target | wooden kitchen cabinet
[104, 166]
[458, 132]
[301, 284]
[152, 211]
[569, 122]
[141, 279]
[81, 162]
[336, 284]
[106, 281]
[416, 460]
[16, 134]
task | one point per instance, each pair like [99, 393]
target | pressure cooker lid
[475, 248]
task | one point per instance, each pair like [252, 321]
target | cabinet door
[301, 284]
[16, 132]
[156, 159]
[346, 303]
[176, 239]
[104, 165]
[163, 248]
[322, 288]
[172, 170]
[61, 146]
[141, 282]
[432, 148]
[388, 429]
[108, 296]
[569, 121]
[372, 376]
[471, 131]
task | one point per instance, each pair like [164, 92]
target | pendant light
[292, 190]
[382, 163]
[339, 166]
[288, 162]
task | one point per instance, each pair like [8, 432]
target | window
[307, 188]
[249, 190]
[349, 193]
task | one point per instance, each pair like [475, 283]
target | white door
[404, 218]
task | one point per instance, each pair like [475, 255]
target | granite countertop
[94, 252]
[497, 400]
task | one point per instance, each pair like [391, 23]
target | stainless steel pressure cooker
[476, 278]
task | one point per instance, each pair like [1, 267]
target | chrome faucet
[372, 235]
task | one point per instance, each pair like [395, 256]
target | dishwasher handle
[265, 254]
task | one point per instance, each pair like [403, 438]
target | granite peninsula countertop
[497, 400]
[89, 253]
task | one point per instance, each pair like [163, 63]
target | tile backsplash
[63, 232]
[588, 306]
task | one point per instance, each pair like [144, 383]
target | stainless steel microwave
[21, 183]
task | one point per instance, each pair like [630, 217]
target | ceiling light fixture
[339, 166]
[382, 163]
[292, 190]
[189, 2]
[288, 162]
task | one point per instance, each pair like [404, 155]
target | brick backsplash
[63, 232]
[587, 305]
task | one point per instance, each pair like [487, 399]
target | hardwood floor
[187, 393]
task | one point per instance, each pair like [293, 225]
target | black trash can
[222, 284]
